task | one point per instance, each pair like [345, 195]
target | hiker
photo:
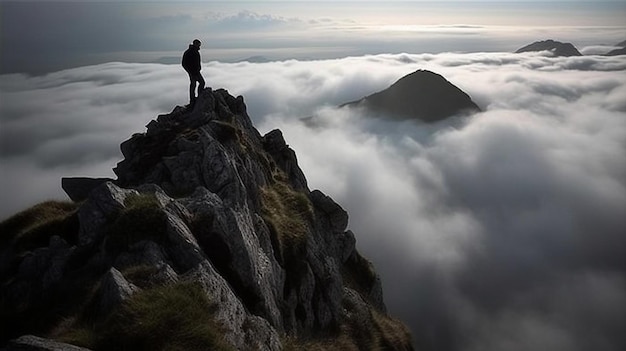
[191, 64]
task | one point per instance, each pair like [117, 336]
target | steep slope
[616, 52]
[556, 47]
[619, 51]
[421, 95]
[209, 239]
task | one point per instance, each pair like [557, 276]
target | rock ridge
[207, 207]
[557, 48]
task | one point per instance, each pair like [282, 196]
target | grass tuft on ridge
[165, 318]
[142, 218]
[34, 226]
[287, 213]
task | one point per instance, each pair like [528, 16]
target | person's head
[197, 43]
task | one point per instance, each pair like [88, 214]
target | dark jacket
[191, 60]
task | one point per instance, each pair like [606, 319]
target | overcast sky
[39, 37]
[503, 231]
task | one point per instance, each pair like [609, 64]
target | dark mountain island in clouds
[557, 48]
[620, 51]
[617, 52]
[422, 95]
[209, 239]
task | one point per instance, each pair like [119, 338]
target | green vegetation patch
[170, 317]
[142, 218]
[33, 227]
[391, 333]
[377, 332]
[142, 275]
[340, 341]
[138, 201]
[81, 336]
[358, 274]
[288, 213]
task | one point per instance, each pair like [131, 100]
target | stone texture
[104, 203]
[285, 158]
[200, 173]
[78, 188]
[114, 289]
[231, 312]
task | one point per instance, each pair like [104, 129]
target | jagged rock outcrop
[206, 209]
[421, 95]
[557, 48]
[78, 188]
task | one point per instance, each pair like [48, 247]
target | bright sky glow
[79, 33]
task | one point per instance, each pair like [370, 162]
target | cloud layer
[503, 231]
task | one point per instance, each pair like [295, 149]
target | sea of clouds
[501, 231]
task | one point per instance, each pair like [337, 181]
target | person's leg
[192, 89]
[200, 82]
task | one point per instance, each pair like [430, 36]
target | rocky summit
[422, 95]
[557, 48]
[209, 239]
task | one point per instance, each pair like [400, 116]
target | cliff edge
[209, 239]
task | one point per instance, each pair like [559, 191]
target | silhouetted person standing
[191, 64]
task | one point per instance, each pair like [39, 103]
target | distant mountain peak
[556, 47]
[617, 52]
[421, 95]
